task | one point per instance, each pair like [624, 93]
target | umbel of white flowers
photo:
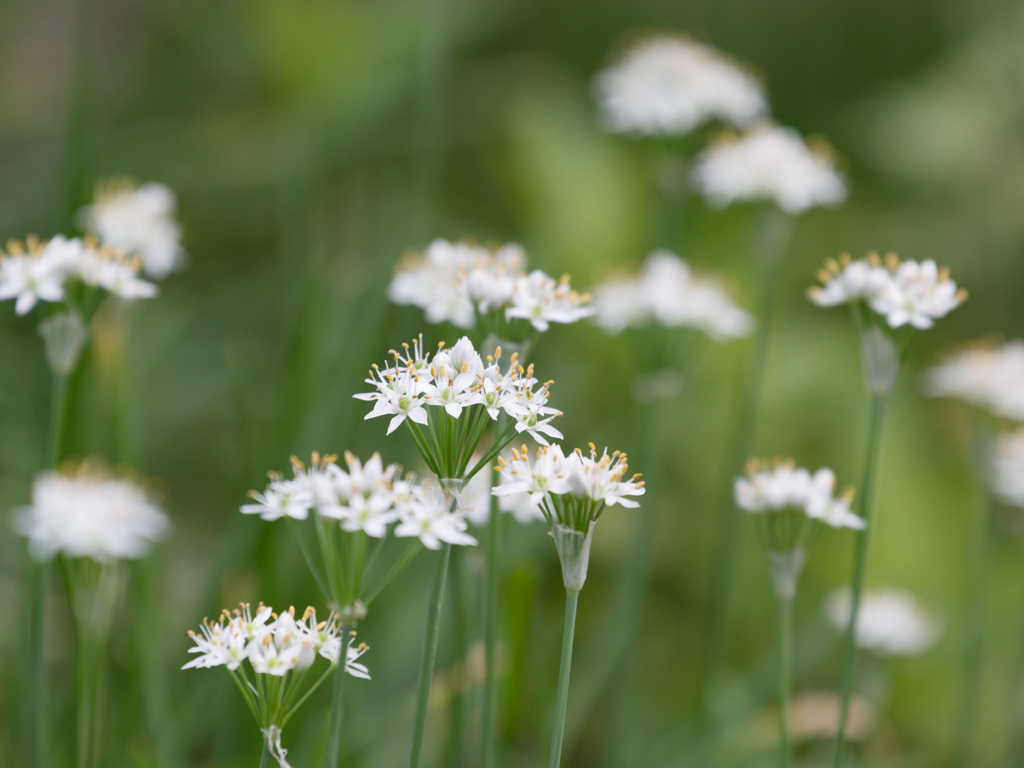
[668, 85]
[83, 511]
[571, 491]
[988, 377]
[280, 650]
[139, 221]
[890, 622]
[770, 163]
[464, 394]
[368, 497]
[667, 292]
[790, 505]
[471, 286]
[891, 299]
[53, 270]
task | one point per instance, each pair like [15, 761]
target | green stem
[771, 247]
[58, 417]
[785, 676]
[490, 632]
[265, 758]
[860, 557]
[454, 757]
[333, 747]
[564, 668]
[974, 647]
[429, 653]
[411, 551]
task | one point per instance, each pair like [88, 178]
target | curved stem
[860, 558]
[565, 666]
[785, 675]
[429, 653]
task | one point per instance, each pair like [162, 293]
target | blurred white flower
[667, 292]
[282, 498]
[903, 292]
[769, 163]
[889, 621]
[40, 271]
[991, 378]
[88, 513]
[918, 294]
[429, 517]
[782, 486]
[139, 221]
[667, 86]
[1007, 478]
[462, 283]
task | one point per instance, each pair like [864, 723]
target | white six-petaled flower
[86, 512]
[770, 163]
[783, 486]
[989, 377]
[669, 85]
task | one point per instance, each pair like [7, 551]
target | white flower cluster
[552, 473]
[87, 513]
[903, 292]
[769, 163]
[991, 378]
[667, 86]
[460, 283]
[274, 645]
[454, 380]
[139, 221]
[889, 622]
[475, 501]
[782, 486]
[667, 292]
[42, 271]
[1007, 478]
[368, 497]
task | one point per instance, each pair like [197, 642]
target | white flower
[460, 282]
[991, 378]
[548, 473]
[428, 516]
[352, 665]
[784, 486]
[1007, 478]
[601, 479]
[889, 622]
[670, 85]
[89, 514]
[667, 292]
[36, 272]
[139, 221]
[918, 294]
[282, 498]
[769, 163]
[846, 281]
[539, 299]
[400, 394]
[903, 292]
[218, 645]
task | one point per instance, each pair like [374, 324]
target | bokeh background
[310, 143]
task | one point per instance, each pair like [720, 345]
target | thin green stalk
[332, 748]
[411, 551]
[265, 758]
[58, 417]
[860, 557]
[454, 753]
[429, 653]
[775, 238]
[785, 676]
[564, 668]
[491, 631]
[967, 712]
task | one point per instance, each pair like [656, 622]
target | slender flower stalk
[790, 506]
[572, 493]
[90, 521]
[890, 300]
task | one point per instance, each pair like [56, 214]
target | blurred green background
[310, 143]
